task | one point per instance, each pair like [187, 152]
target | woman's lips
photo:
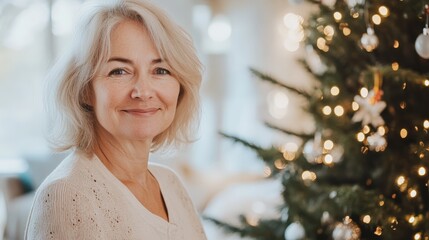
[142, 111]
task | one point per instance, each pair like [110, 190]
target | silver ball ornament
[369, 40]
[422, 44]
[295, 231]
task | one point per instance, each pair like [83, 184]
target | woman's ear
[87, 99]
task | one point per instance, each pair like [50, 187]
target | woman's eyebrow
[128, 61]
[120, 59]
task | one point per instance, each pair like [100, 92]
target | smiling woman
[128, 87]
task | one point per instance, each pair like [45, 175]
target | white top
[81, 199]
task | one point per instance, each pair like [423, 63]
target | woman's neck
[127, 160]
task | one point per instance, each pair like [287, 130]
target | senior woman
[128, 87]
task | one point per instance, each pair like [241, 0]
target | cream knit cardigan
[81, 199]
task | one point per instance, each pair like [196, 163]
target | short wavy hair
[71, 123]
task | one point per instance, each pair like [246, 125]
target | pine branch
[274, 81]
[239, 140]
[269, 155]
[227, 227]
[289, 132]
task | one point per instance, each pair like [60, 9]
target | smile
[142, 111]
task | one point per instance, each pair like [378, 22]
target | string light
[381, 130]
[267, 171]
[376, 19]
[335, 91]
[384, 11]
[321, 44]
[328, 145]
[426, 82]
[355, 15]
[307, 175]
[327, 110]
[366, 219]
[411, 219]
[329, 31]
[338, 16]
[396, 44]
[279, 164]
[400, 180]
[381, 203]
[378, 231]
[360, 137]
[347, 31]
[422, 171]
[339, 110]
[366, 129]
[328, 159]
[395, 66]
[417, 236]
[364, 92]
[403, 133]
[355, 106]
[412, 193]
[426, 124]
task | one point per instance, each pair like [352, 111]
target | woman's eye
[117, 71]
[162, 71]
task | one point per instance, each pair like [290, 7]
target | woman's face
[134, 95]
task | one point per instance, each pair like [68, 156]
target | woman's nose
[143, 88]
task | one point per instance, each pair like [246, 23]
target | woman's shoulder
[69, 173]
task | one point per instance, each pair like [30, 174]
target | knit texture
[82, 199]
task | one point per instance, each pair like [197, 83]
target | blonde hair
[71, 119]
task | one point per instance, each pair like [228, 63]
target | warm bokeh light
[381, 130]
[329, 31]
[327, 110]
[403, 133]
[384, 11]
[366, 219]
[400, 180]
[426, 83]
[412, 193]
[364, 92]
[417, 236]
[355, 106]
[426, 124]
[328, 145]
[307, 175]
[335, 91]
[422, 171]
[376, 19]
[360, 137]
[347, 31]
[396, 44]
[338, 16]
[395, 66]
[366, 129]
[328, 159]
[339, 111]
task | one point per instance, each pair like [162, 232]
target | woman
[129, 86]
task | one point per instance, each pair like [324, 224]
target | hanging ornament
[422, 42]
[317, 151]
[326, 218]
[314, 62]
[371, 106]
[347, 230]
[295, 231]
[329, 3]
[376, 142]
[353, 3]
[369, 40]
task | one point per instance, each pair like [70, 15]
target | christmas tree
[363, 172]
